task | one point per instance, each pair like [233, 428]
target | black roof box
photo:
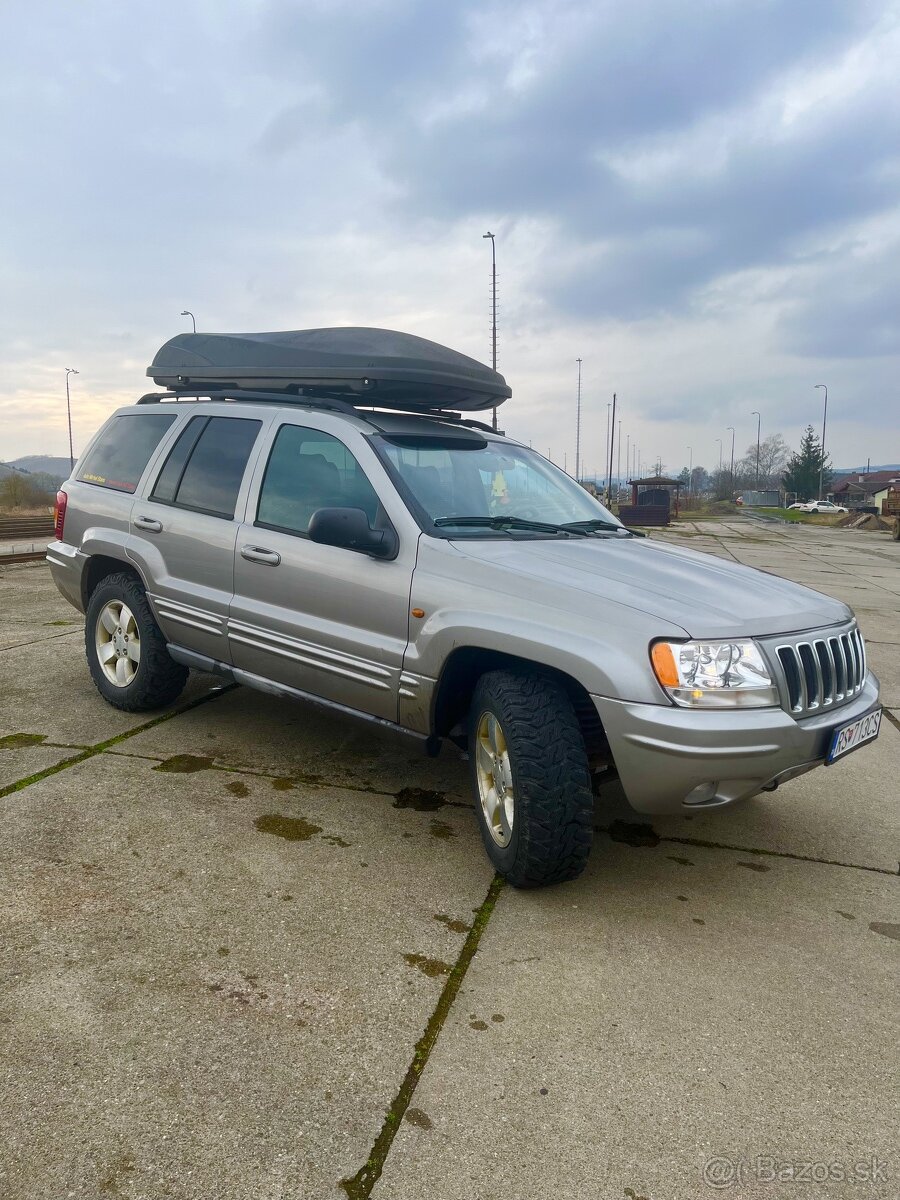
[375, 367]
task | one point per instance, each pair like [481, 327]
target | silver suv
[421, 571]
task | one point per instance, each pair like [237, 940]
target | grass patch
[802, 518]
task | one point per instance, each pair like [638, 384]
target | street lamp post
[824, 419]
[690, 471]
[578, 425]
[606, 465]
[187, 313]
[70, 371]
[493, 312]
[731, 476]
[758, 427]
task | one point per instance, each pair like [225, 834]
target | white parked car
[818, 506]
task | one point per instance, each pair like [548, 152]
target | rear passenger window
[206, 465]
[118, 457]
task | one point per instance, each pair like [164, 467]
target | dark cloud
[600, 82]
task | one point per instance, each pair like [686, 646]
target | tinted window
[170, 476]
[206, 466]
[308, 469]
[118, 457]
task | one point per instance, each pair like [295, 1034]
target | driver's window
[308, 470]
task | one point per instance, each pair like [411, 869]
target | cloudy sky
[700, 198]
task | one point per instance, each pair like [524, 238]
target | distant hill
[866, 470]
[43, 463]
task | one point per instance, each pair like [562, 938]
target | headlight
[713, 674]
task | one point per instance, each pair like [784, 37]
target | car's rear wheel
[126, 651]
[530, 778]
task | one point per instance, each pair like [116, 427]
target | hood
[706, 596]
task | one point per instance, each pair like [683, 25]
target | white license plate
[852, 736]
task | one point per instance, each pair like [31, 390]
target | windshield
[454, 483]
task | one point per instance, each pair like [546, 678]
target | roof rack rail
[238, 395]
[313, 400]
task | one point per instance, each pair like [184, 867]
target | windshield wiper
[509, 522]
[601, 523]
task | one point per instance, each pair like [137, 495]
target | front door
[322, 619]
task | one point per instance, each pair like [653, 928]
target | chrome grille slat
[840, 667]
[822, 671]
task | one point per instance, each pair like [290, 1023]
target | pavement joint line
[49, 637]
[360, 1186]
[707, 845]
[100, 747]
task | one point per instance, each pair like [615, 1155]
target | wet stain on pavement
[122, 1166]
[681, 898]
[420, 1119]
[237, 788]
[335, 840]
[682, 862]
[886, 929]
[419, 799]
[13, 741]
[847, 916]
[185, 764]
[432, 967]
[452, 923]
[498, 1017]
[292, 829]
[632, 1195]
[478, 1024]
[752, 866]
[440, 829]
[283, 784]
[633, 834]
[698, 921]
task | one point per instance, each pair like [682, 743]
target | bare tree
[774, 453]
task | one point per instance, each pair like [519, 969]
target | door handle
[258, 554]
[149, 524]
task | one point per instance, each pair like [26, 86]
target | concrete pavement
[238, 953]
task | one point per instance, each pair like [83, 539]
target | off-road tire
[158, 679]
[552, 828]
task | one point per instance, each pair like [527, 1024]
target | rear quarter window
[121, 452]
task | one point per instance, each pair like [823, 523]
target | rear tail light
[59, 515]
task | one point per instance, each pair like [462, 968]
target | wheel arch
[100, 567]
[467, 664]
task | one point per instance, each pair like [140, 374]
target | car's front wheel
[531, 779]
[126, 651]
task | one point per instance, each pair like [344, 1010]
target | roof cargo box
[379, 368]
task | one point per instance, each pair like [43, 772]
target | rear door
[321, 619]
[184, 529]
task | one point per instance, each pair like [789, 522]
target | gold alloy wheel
[495, 781]
[118, 643]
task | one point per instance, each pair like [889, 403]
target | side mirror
[349, 528]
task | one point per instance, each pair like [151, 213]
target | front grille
[823, 672]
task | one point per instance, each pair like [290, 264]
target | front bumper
[662, 754]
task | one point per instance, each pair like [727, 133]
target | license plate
[850, 737]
